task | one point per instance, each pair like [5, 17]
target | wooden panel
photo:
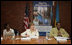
[12, 12]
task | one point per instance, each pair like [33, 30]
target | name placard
[43, 28]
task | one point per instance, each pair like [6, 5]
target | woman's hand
[27, 36]
[59, 34]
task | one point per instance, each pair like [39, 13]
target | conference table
[40, 40]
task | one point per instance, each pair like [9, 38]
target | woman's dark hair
[30, 24]
[57, 23]
[5, 25]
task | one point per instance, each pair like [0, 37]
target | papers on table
[34, 37]
[27, 38]
[61, 39]
[17, 38]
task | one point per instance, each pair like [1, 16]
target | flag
[26, 17]
[57, 14]
[26, 22]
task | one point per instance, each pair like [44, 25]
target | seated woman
[31, 32]
[8, 31]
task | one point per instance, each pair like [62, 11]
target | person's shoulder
[54, 28]
[4, 30]
[36, 30]
[62, 29]
[27, 29]
[11, 29]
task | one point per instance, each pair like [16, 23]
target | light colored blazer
[54, 32]
[28, 32]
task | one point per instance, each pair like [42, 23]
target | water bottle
[13, 37]
[17, 34]
[47, 35]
